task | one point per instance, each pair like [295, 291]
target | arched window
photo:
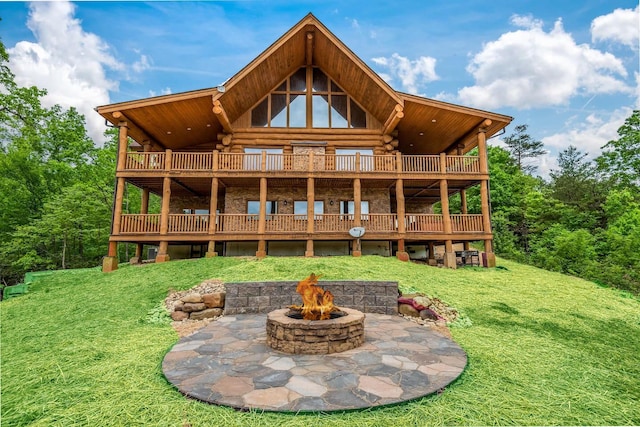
[308, 98]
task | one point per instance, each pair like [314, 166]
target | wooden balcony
[229, 224]
[263, 163]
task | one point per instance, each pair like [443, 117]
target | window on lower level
[300, 208]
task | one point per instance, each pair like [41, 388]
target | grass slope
[543, 348]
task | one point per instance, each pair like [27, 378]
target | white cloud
[413, 74]
[165, 91]
[621, 25]
[532, 68]
[142, 64]
[67, 61]
[591, 135]
[528, 21]
[355, 24]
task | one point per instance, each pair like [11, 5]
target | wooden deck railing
[424, 223]
[379, 222]
[180, 223]
[140, 224]
[465, 223]
[290, 223]
[236, 223]
[145, 161]
[263, 162]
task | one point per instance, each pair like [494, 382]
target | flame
[317, 304]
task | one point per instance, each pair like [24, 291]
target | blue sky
[568, 69]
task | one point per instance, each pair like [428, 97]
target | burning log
[317, 304]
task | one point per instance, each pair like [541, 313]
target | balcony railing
[290, 223]
[263, 162]
[140, 224]
[463, 223]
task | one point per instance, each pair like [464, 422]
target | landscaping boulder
[179, 315]
[215, 300]
[206, 314]
[192, 298]
[408, 310]
[191, 307]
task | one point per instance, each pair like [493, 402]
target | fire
[317, 304]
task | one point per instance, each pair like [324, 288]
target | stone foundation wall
[264, 297]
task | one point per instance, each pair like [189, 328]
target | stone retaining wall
[264, 297]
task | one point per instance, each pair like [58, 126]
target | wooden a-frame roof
[187, 119]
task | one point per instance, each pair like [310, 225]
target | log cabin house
[300, 146]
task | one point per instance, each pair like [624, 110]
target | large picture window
[330, 106]
[347, 209]
[300, 209]
[253, 208]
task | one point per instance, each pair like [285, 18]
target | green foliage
[543, 348]
[621, 157]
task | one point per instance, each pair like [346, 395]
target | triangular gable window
[308, 98]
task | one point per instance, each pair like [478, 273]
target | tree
[576, 183]
[522, 146]
[621, 157]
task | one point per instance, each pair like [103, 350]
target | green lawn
[544, 348]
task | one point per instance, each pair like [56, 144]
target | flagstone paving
[229, 363]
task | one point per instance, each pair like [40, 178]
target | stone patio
[228, 363]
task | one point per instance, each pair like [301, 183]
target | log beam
[309, 51]
[137, 130]
[221, 114]
[394, 118]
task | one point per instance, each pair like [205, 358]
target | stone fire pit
[299, 336]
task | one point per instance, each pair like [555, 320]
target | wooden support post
[163, 255]
[309, 251]
[399, 162]
[443, 163]
[482, 146]
[463, 210]
[402, 254]
[262, 249]
[144, 201]
[123, 144]
[311, 196]
[164, 219]
[486, 223]
[432, 254]
[137, 258]
[358, 162]
[357, 202]
[400, 206]
[449, 255]
[167, 159]
[216, 160]
[117, 209]
[213, 205]
[110, 262]
[262, 219]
